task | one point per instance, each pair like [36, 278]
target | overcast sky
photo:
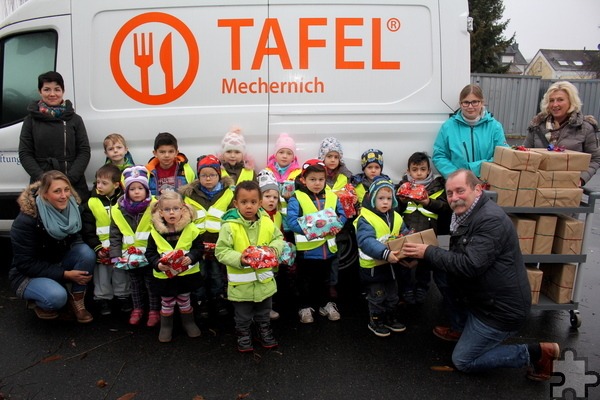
[553, 24]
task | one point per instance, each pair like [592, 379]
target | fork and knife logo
[137, 33]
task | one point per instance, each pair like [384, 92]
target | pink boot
[136, 316]
[153, 318]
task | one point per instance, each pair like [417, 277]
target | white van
[381, 74]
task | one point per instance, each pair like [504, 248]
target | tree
[487, 40]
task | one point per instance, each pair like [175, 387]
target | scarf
[553, 129]
[133, 207]
[425, 182]
[59, 224]
[475, 120]
[457, 220]
[212, 193]
[55, 111]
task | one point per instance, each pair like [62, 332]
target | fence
[515, 99]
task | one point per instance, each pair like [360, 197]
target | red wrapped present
[260, 257]
[348, 199]
[174, 260]
[412, 190]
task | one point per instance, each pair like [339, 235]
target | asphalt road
[108, 359]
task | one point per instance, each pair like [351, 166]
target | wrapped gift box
[558, 179]
[426, 237]
[545, 228]
[558, 197]
[525, 231]
[320, 224]
[501, 180]
[535, 281]
[526, 190]
[557, 281]
[567, 160]
[568, 238]
[522, 160]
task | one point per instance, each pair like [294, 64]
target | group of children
[166, 235]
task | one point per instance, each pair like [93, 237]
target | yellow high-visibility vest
[188, 235]
[412, 206]
[102, 215]
[382, 233]
[137, 239]
[308, 207]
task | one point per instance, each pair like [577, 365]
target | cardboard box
[545, 227]
[526, 189]
[501, 180]
[525, 231]
[558, 179]
[557, 281]
[568, 238]
[535, 282]
[558, 197]
[517, 159]
[426, 237]
[567, 160]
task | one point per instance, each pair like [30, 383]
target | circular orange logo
[144, 57]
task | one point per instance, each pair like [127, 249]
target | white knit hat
[329, 145]
[234, 140]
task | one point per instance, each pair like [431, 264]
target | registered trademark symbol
[393, 24]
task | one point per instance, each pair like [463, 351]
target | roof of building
[514, 50]
[568, 60]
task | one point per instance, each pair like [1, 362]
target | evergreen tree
[487, 40]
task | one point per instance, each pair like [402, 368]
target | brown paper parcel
[544, 233]
[558, 197]
[558, 179]
[426, 237]
[567, 160]
[568, 238]
[557, 281]
[501, 180]
[526, 191]
[517, 159]
[535, 282]
[525, 231]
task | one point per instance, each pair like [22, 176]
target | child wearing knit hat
[131, 222]
[211, 195]
[332, 155]
[236, 162]
[371, 163]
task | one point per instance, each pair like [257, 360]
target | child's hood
[153, 162]
[234, 216]
[187, 216]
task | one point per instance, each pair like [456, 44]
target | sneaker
[153, 318]
[125, 304]
[273, 315]
[542, 369]
[376, 326]
[409, 297]
[306, 315]
[420, 295]
[104, 307]
[392, 323]
[136, 316]
[446, 333]
[330, 311]
[45, 314]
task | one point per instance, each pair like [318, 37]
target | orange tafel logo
[143, 58]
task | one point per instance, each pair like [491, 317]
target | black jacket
[485, 267]
[88, 221]
[439, 206]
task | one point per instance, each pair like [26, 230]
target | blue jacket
[294, 211]
[367, 240]
[460, 145]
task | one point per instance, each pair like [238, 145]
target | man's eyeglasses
[170, 210]
[473, 103]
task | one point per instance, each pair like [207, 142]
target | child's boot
[166, 328]
[377, 327]
[244, 340]
[189, 325]
[266, 335]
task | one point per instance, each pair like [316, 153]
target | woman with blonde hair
[560, 123]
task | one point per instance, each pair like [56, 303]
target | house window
[578, 63]
[563, 63]
[507, 59]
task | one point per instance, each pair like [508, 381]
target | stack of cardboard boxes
[542, 178]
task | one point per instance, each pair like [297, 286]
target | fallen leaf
[442, 368]
[51, 358]
[73, 344]
[101, 383]
[128, 396]
[198, 397]
[243, 396]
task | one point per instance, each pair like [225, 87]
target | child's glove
[103, 256]
[259, 257]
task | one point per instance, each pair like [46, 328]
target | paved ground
[327, 360]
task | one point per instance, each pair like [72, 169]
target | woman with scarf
[53, 136]
[561, 124]
[469, 137]
[48, 251]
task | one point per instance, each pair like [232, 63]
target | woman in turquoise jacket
[468, 137]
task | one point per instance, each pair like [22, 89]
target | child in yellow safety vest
[109, 282]
[251, 286]
[314, 257]
[129, 231]
[172, 230]
[211, 195]
[375, 224]
[236, 163]
[420, 215]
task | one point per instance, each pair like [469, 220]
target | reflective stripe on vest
[102, 215]
[412, 206]
[188, 235]
[308, 207]
[247, 274]
[382, 233]
[211, 220]
[137, 239]
[245, 175]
